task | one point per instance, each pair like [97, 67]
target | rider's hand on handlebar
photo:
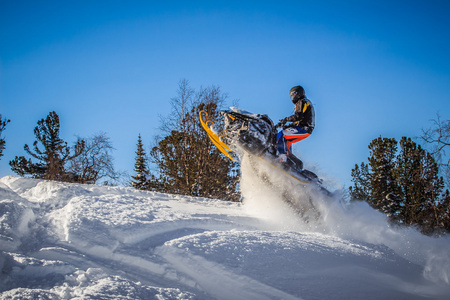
[281, 123]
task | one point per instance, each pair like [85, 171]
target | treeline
[403, 180]
[181, 161]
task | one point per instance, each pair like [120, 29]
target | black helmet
[297, 93]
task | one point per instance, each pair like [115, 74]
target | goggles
[294, 97]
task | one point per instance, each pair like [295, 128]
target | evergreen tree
[441, 212]
[420, 185]
[361, 180]
[375, 182]
[52, 159]
[382, 179]
[140, 180]
[403, 184]
[2, 140]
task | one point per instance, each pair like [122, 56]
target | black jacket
[304, 115]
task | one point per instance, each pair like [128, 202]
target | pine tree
[52, 159]
[375, 183]
[382, 164]
[420, 185]
[140, 180]
[441, 212]
[361, 180]
[403, 184]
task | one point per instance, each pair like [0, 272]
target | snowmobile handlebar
[281, 124]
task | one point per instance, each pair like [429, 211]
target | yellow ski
[213, 136]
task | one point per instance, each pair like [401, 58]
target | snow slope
[70, 241]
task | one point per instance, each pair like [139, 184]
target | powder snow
[71, 241]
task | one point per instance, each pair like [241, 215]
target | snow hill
[70, 241]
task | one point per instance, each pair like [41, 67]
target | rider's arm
[297, 116]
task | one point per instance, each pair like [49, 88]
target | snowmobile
[255, 135]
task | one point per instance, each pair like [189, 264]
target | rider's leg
[281, 143]
[285, 139]
[293, 135]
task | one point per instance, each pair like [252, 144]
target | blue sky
[371, 68]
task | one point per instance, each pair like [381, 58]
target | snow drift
[70, 241]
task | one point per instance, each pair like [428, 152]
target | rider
[302, 125]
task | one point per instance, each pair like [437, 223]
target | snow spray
[263, 190]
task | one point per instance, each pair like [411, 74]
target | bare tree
[181, 105]
[95, 162]
[2, 140]
[438, 137]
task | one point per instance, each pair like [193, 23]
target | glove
[281, 123]
[286, 126]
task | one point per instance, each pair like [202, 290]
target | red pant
[288, 136]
